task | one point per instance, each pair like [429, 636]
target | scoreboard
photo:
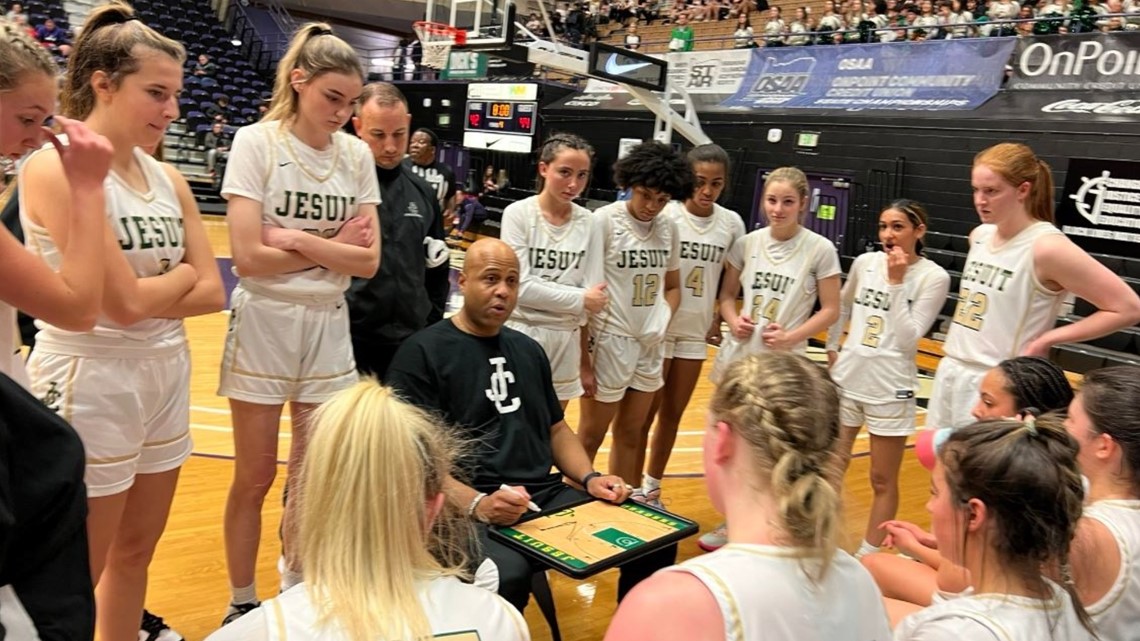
[501, 116]
[504, 116]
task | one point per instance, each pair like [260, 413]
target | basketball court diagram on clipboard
[586, 538]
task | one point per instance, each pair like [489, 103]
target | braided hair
[556, 143]
[21, 54]
[786, 408]
[1037, 382]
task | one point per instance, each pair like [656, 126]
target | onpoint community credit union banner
[1078, 62]
[932, 75]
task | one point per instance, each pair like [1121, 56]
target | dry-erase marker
[530, 504]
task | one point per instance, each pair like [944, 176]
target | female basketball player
[1005, 500]
[560, 261]
[368, 573]
[772, 429]
[892, 298]
[69, 299]
[1017, 274]
[707, 231]
[784, 269]
[125, 385]
[302, 215]
[1008, 390]
[642, 273]
[1105, 421]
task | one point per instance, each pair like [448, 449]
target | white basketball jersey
[557, 263]
[1117, 613]
[637, 257]
[456, 612]
[780, 279]
[704, 244]
[764, 594]
[299, 187]
[1000, 617]
[877, 364]
[11, 359]
[1001, 304]
[149, 229]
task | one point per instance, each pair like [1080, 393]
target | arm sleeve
[367, 185]
[248, 168]
[735, 255]
[674, 263]
[913, 320]
[846, 297]
[827, 261]
[533, 291]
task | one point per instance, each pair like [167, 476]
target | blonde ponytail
[315, 50]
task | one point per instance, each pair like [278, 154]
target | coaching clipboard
[584, 538]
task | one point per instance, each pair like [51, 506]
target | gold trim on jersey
[282, 631]
[734, 627]
[712, 218]
[183, 436]
[794, 242]
[91, 460]
[287, 136]
[548, 227]
[631, 223]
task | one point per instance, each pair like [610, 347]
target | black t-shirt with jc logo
[496, 391]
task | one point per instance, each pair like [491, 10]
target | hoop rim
[455, 35]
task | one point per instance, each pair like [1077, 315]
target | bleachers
[192, 23]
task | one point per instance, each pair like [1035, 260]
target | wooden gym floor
[188, 585]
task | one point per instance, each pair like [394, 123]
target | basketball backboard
[490, 24]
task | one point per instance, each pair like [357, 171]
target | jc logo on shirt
[498, 392]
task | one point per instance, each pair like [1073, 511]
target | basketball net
[436, 40]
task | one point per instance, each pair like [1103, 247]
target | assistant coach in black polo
[493, 384]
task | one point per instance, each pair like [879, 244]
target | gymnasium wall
[938, 152]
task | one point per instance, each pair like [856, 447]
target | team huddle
[391, 488]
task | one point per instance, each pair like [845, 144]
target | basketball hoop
[436, 40]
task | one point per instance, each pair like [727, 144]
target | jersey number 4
[696, 281]
[971, 309]
[645, 288]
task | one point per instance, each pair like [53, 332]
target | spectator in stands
[743, 38]
[928, 21]
[219, 108]
[50, 35]
[681, 38]
[831, 20]
[404, 296]
[774, 29]
[798, 28]
[217, 143]
[1003, 10]
[534, 24]
[205, 66]
[489, 184]
[632, 40]
[21, 21]
[575, 24]
[17, 9]
[469, 212]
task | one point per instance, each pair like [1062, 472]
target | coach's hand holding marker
[608, 488]
[531, 505]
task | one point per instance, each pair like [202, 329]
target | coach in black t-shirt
[493, 384]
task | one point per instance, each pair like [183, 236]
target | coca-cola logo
[1120, 107]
